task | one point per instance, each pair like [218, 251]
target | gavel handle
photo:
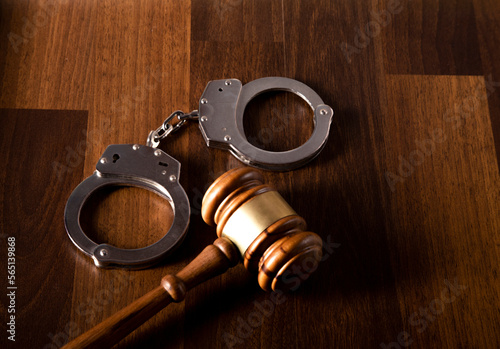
[212, 261]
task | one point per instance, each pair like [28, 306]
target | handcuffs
[220, 116]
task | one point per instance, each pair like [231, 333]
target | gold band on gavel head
[254, 216]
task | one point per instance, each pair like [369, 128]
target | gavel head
[270, 236]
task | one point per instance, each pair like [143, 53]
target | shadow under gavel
[254, 223]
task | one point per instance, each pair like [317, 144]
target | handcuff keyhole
[221, 89]
[115, 157]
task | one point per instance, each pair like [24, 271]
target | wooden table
[406, 194]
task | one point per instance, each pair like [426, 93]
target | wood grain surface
[405, 195]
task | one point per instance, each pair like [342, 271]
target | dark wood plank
[488, 23]
[349, 208]
[427, 37]
[39, 149]
[444, 208]
[44, 69]
[237, 20]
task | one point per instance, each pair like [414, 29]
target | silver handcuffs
[220, 115]
[223, 104]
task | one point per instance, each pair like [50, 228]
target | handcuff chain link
[167, 127]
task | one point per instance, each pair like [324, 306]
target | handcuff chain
[167, 127]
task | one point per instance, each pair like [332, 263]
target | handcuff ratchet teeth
[220, 115]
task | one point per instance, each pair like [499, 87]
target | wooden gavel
[254, 223]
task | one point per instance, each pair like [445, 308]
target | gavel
[254, 224]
